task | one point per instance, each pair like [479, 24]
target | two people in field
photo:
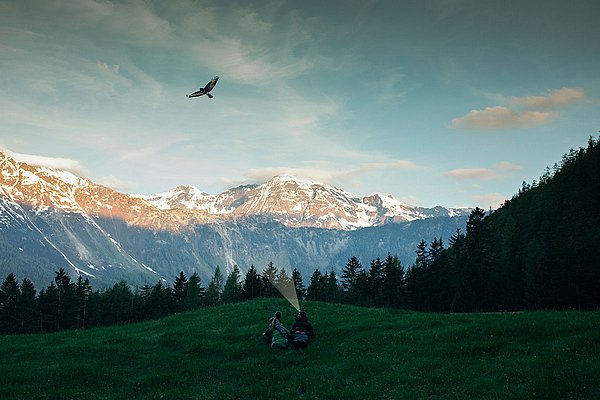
[299, 335]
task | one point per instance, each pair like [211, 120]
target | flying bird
[206, 90]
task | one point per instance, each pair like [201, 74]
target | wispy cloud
[508, 166]
[491, 200]
[471, 173]
[554, 99]
[64, 164]
[497, 171]
[327, 173]
[523, 111]
[387, 88]
[115, 183]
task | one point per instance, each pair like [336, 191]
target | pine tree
[331, 288]
[83, 289]
[66, 310]
[215, 288]
[315, 287]
[422, 254]
[9, 302]
[376, 282]
[27, 306]
[194, 292]
[299, 284]
[435, 249]
[477, 291]
[180, 292]
[232, 291]
[252, 287]
[350, 279]
[160, 301]
[393, 277]
[48, 305]
[269, 277]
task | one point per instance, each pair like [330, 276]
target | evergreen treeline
[67, 304]
[540, 250]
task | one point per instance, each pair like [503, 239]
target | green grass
[358, 353]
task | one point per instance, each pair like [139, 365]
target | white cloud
[65, 164]
[493, 118]
[554, 99]
[497, 171]
[471, 173]
[524, 111]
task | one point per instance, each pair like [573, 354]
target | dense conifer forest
[538, 251]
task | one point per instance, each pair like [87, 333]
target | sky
[443, 102]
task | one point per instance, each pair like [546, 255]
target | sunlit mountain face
[51, 219]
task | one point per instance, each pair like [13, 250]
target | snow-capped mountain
[300, 203]
[51, 219]
[291, 201]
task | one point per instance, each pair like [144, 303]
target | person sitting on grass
[276, 333]
[302, 331]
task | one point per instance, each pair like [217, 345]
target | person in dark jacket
[302, 331]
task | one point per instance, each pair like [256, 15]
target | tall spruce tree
[215, 288]
[9, 304]
[180, 292]
[332, 289]
[83, 290]
[350, 281]
[66, 310]
[299, 284]
[48, 306]
[269, 277]
[477, 291]
[28, 310]
[232, 291]
[316, 287]
[194, 296]
[376, 280]
[252, 286]
[393, 281]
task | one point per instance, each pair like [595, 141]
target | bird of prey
[206, 89]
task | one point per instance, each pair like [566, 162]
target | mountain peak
[183, 196]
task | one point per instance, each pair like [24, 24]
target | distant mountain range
[299, 203]
[51, 218]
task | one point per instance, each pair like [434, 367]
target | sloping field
[357, 353]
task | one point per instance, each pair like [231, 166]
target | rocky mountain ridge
[51, 219]
[300, 203]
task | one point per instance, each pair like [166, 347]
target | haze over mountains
[51, 218]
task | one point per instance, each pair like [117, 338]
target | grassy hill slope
[358, 353]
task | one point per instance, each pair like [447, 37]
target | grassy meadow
[357, 353]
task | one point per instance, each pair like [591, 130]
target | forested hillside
[540, 250]
[546, 238]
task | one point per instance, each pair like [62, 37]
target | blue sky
[451, 103]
